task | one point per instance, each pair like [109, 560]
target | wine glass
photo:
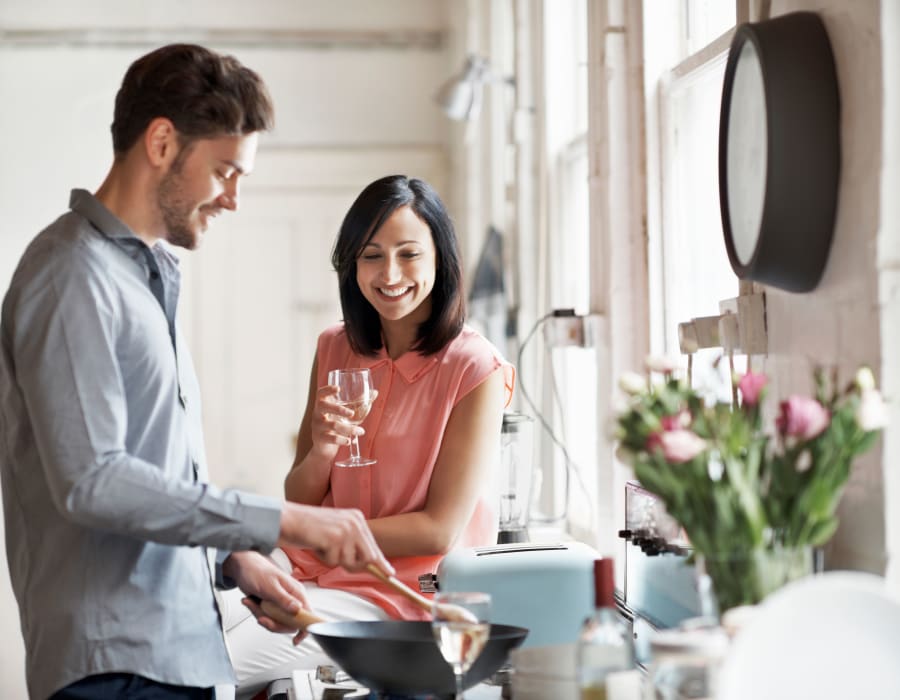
[461, 626]
[354, 392]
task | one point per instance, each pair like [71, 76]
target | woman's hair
[371, 209]
[203, 93]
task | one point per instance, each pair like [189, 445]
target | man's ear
[161, 142]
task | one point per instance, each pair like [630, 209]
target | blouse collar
[411, 365]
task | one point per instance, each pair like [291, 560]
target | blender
[516, 460]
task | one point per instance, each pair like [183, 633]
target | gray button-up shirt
[105, 496]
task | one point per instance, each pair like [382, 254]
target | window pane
[695, 265]
[707, 20]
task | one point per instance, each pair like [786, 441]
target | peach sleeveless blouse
[404, 430]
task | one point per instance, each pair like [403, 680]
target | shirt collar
[411, 365]
[84, 203]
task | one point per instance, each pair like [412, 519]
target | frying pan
[401, 657]
[398, 657]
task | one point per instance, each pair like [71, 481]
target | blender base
[512, 536]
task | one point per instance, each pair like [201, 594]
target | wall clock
[779, 151]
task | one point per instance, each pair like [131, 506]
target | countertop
[306, 687]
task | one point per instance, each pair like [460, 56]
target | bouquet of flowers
[752, 502]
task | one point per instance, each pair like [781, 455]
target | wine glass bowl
[461, 626]
[355, 392]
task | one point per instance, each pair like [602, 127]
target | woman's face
[396, 269]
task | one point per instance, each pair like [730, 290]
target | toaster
[547, 588]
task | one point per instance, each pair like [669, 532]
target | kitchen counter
[306, 687]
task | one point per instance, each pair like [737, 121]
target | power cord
[569, 462]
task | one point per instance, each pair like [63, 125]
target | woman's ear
[160, 142]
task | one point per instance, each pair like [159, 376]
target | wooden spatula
[299, 620]
[448, 612]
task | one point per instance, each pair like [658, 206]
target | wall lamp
[460, 96]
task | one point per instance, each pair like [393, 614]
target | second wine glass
[462, 625]
[354, 392]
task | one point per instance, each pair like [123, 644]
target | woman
[434, 427]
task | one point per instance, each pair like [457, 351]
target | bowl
[402, 657]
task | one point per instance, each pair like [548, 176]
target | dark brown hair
[371, 209]
[203, 93]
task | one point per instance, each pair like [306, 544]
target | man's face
[202, 181]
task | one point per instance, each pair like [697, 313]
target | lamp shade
[460, 97]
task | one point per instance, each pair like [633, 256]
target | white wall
[839, 322]
[889, 276]
[352, 82]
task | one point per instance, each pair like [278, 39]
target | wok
[402, 657]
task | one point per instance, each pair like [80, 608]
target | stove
[327, 683]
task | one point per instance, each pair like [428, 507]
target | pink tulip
[802, 417]
[678, 446]
[751, 386]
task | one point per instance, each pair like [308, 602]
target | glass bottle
[605, 644]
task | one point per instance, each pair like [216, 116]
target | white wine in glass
[354, 392]
[461, 638]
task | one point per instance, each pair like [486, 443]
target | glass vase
[727, 580]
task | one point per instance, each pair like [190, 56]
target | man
[108, 511]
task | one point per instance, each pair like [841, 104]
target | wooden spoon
[454, 613]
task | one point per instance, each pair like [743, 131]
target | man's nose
[229, 198]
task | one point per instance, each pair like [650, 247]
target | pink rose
[751, 386]
[678, 446]
[682, 419]
[802, 417]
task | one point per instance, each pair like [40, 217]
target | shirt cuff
[223, 582]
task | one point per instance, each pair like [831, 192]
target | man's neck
[129, 194]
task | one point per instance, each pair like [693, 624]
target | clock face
[747, 144]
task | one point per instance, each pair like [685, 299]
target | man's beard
[175, 209]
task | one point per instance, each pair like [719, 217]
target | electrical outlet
[566, 329]
[742, 325]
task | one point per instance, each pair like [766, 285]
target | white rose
[632, 383]
[871, 414]
[865, 380]
[662, 363]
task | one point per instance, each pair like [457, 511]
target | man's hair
[203, 93]
[366, 215]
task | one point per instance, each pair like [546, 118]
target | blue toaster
[547, 588]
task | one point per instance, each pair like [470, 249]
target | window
[570, 413]
[689, 268]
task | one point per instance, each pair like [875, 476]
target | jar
[685, 663]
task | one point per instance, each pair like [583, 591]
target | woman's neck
[399, 337]
[401, 334]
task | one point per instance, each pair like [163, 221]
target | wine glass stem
[458, 677]
[354, 449]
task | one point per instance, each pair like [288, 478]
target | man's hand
[258, 576]
[338, 536]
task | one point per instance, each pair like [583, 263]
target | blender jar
[516, 460]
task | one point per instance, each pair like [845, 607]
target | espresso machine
[516, 476]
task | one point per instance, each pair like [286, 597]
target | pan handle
[299, 620]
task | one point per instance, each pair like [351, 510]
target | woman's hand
[329, 427]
